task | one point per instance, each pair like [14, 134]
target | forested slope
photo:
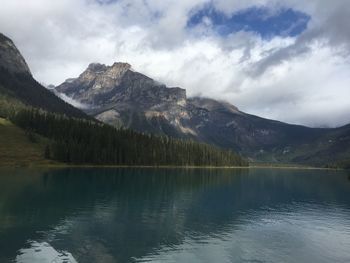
[85, 142]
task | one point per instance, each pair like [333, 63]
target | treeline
[86, 142]
[345, 164]
[9, 106]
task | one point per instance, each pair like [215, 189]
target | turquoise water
[174, 215]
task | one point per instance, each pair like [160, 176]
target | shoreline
[58, 166]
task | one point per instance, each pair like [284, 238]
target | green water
[174, 215]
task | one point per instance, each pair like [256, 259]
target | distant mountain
[18, 84]
[119, 96]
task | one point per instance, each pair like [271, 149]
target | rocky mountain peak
[117, 70]
[10, 58]
[121, 66]
[114, 71]
[100, 76]
[100, 86]
[96, 67]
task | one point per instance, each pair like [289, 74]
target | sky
[286, 60]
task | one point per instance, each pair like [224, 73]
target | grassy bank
[18, 148]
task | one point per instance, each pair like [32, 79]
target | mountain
[37, 127]
[18, 85]
[120, 96]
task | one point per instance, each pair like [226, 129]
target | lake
[174, 215]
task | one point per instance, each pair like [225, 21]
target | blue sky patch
[285, 22]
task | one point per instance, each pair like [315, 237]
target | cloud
[73, 102]
[300, 77]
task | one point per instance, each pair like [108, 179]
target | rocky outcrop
[10, 58]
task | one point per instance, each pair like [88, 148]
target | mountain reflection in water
[174, 215]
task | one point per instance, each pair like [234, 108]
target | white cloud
[301, 80]
[73, 102]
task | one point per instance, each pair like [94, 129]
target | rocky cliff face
[119, 96]
[10, 58]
